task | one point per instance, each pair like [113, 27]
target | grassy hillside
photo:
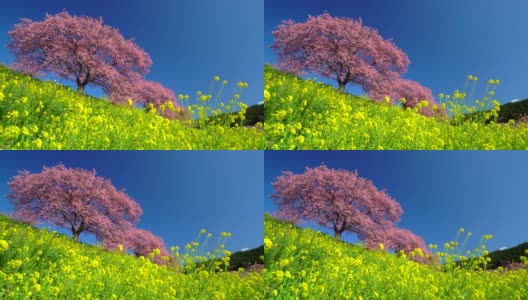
[45, 115]
[303, 114]
[38, 264]
[305, 264]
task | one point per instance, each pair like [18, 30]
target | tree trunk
[338, 231]
[75, 236]
[342, 86]
[80, 88]
[77, 231]
[343, 83]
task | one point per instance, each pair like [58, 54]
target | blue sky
[189, 41]
[180, 192]
[445, 40]
[440, 191]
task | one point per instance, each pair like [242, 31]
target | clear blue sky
[445, 40]
[439, 191]
[180, 192]
[189, 41]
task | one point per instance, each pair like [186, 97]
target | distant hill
[502, 258]
[254, 114]
[508, 111]
[513, 110]
[244, 259]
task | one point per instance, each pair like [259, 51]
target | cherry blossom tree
[140, 242]
[406, 240]
[76, 199]
[398, 239]
[75, 48]
[150, 95]
[412, 91]
[341, 49]
[336, 199]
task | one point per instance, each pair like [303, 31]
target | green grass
[306, 264]
[46, 115]
[38, 264]
[303, 114]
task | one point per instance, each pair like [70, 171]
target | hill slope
[303, 114]
[39, 264]
[311, 265]
[45, 115]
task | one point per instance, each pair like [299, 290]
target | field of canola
[46, 115]
[304, 264]
[38, 264]
[303, 114]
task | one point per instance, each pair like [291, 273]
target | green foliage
[305, 264]
[302, 114]
[45, 115]
[38, 264]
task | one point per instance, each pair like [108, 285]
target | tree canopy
[75, 48]
[341, 49]
[336, 199]
[76, 199]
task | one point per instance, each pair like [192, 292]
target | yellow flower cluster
[45, 115]
[38, 264]
[305, 264]
[303, 114]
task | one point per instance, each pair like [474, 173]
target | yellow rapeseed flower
[267, 244]
[3, 245]
[37, 143]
